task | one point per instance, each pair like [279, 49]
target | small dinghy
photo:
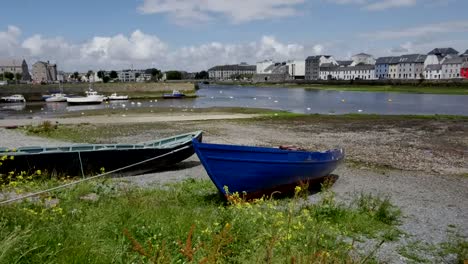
[87, 159]
[260, 170]
[174, 95]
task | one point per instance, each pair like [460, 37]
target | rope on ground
[90, 178]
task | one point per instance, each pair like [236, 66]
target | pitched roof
[433, 67]
[360, 67]
[412, 58]
[387, 60]
[466, 53]
[454, 60]
[11, 62]
[235, 67]
[317, 57]
[362, 54]
[344, 62]
[442, 51]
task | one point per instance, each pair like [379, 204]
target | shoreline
[401, 88]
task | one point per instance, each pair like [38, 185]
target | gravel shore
[420, 164]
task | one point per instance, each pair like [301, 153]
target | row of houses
[440, 63]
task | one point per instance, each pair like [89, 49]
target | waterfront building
[358, 72]
[411, 67]
[227, 72]
[44, 72]
[296, 69]
[313, 64]
[464, 70]
[382, 67]
[133, 76]
[16, 67]
[433, 72]
[451, 67]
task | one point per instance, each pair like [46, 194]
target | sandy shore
[418, 163]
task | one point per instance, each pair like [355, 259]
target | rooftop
[433, 67]
[11, 62]
[234, 67]
[442, 51]
[412, 58]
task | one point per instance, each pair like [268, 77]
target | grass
[188, 222]
[424, 89]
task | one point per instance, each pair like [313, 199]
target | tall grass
[184, 222]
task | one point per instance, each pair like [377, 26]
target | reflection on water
[295, 100]
[14, 106]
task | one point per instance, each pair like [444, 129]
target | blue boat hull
[262, 170]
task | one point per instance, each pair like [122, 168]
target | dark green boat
[87, 159]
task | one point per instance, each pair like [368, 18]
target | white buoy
[275, 101]
[308, 108]
[124, 115]
[212, 97]
[231, 97]
[133, 103]
[155, 100]
[220, 91]
[123, 105]
[82, 113]
[255, 98]
[359, 110]
[389, 100]
[42, 109]
[343, 100]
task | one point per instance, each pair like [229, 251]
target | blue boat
[174, 95]
[260, 170]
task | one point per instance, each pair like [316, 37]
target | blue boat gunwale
[258, 149]
[103, 147]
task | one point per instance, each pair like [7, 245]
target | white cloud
[420, 31]
[386, 4]
[145, 50]
[9, 41]
[379, 5]
[236, 11]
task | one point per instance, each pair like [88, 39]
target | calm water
[295, 100]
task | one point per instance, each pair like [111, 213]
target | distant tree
[137, 75]
[174, 75]
[1, 76]
[100, 74]
[105, 79]
[113, 75]
[8, 75]
[202, 75]
[89, 73]
[76, 76]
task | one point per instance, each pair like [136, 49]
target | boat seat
[31, 149]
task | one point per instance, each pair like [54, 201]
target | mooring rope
[90, 178]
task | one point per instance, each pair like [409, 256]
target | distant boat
[114, 96]
[174, 94]
[16, 98]
[92, 97]
[89, 159]
[56, 97]
[260, 170]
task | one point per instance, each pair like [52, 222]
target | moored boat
[92, 97]
[74, 160]
[114, 96]
[16, 98]
[175, 94]
[56, 97]
[260, 170]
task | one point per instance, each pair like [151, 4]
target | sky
[194, 35]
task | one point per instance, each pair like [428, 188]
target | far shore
[437, 89]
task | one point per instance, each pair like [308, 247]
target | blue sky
[197, 34]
